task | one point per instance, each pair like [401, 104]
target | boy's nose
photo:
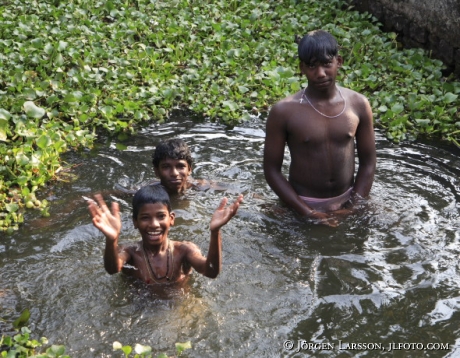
[154, 222]
[321, 72]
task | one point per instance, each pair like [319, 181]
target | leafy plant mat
[69, 68]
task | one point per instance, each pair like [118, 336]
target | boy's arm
[211, 266]
[275, 141]
[109, 223]
[365, 145]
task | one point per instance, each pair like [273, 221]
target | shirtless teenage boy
[156, 258]
[320, 125]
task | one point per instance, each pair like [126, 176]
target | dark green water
[389, 275]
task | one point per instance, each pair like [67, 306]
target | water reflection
[389, 274]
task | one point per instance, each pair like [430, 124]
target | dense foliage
[68, 68]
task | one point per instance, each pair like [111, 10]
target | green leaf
[4, 114]
[243, 89]
[449, 98]
[23, 318]
[397, 108]
[44, 141]
[127, 350]
[180, 347]
[33, 111]
[56, 350]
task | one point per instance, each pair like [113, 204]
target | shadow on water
[387, 275]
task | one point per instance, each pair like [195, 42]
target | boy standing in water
[156, 258]
[320, 125]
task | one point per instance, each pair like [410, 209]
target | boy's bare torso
[322, 149]
[142, 262]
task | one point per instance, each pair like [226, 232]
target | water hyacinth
[69, 70]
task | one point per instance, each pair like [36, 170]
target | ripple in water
[389, 274]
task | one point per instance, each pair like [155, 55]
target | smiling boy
[321, 124]
[156, 258]
[172, 163]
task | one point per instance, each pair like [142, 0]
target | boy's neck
[157, 248]
[327, 93]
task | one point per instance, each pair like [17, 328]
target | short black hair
[150, 194]
[172, 148]
[317, 46]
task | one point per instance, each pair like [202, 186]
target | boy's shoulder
[289, 99]
[353, 96]
[132, 247]
[284, 106]
[185, 247]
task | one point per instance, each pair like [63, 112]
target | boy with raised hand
[156, 258]
[320, 124]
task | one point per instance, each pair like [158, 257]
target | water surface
[388, 275]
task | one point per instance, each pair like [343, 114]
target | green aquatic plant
[146, 351]
[70, 70]
[21, 345]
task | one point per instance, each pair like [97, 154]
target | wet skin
[322, 149]
[156, 259]
[173, 174]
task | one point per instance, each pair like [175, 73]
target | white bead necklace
[325, 115]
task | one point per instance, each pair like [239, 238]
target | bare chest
[307, 126]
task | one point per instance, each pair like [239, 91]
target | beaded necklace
[304, 95]
[150, 267]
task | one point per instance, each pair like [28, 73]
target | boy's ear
[339, 61]
[302, 67]
[155, 170]
[172, 215]
[135, 222]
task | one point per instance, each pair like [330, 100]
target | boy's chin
[148, 241]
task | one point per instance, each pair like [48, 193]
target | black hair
[173, 148]
[150, 194]
[317, 46]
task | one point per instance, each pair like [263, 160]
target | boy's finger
[222, 204]
[101, 202]
[115, 208]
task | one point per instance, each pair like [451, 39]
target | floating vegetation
[71, 68]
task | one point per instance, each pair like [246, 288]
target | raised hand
[108, 222]
[224, 213]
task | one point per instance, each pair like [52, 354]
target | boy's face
[173, 174]
[321, 75]
[153, 222]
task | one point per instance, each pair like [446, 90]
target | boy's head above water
[150, 194]
[152, 215]
[172, 162]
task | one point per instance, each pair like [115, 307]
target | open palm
[108, 222]
[224, 213]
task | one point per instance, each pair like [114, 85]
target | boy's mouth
[155, 234]
[176, 181]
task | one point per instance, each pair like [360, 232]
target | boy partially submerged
[172, 163]
[156, 258]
